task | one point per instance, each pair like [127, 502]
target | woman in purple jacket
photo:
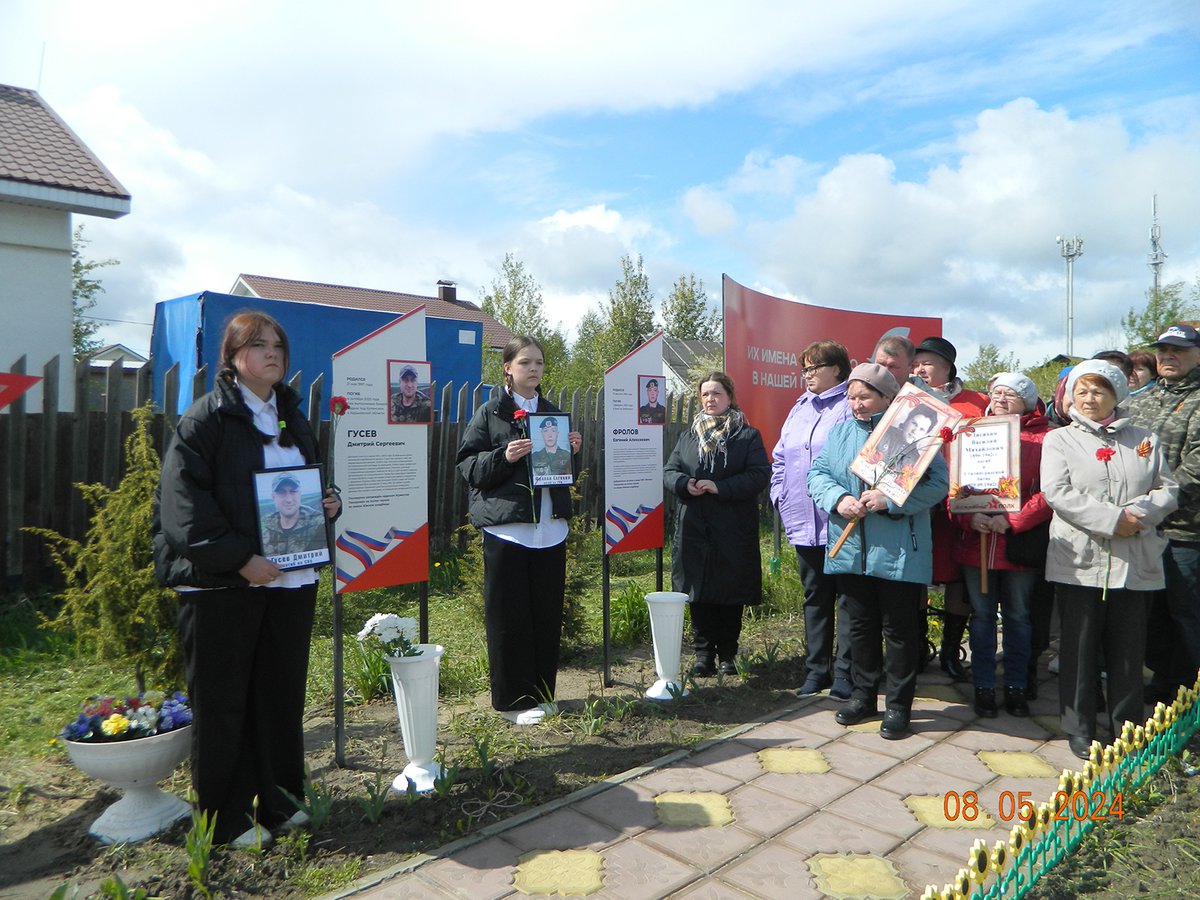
[820, 407]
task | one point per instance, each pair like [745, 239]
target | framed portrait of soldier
[409, 402]
[904, 443]
[651, 410]
[291, 520]
[550, 463]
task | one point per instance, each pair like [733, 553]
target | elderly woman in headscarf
[1010, 585]
[882, 568]
[1109, 486]
[717, 470]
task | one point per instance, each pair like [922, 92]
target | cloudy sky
[878, 156]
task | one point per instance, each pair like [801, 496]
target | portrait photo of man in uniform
[291, 521]
[408, 404]
[550, 460]
[651, 411]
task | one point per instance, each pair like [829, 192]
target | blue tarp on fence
[187, 330]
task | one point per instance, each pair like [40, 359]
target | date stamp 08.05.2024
[1078, 805]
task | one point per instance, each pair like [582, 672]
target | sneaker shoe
[985, 703]
[524, 716]
[1015, 702]
[895, 725]
[252, 839]
[1052, 668]
[854, 712]
[548, 709]
[812, 685]
[840, 689]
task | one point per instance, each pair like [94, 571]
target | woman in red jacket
[1009, 586]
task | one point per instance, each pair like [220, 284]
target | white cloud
[974, 241]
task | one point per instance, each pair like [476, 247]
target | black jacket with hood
[205, 513]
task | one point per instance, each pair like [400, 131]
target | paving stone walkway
[793, 808]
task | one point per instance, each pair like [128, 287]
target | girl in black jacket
[717, 470]
[524, 539]
[244, 625]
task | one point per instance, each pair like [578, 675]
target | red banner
[765, 335]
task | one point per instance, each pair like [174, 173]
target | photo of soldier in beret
[651, 412]
[550, 463]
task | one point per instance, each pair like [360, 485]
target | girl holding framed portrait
[244, 624]
[524, 534]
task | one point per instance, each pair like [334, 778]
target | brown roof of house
[37, 147]
[494, 334]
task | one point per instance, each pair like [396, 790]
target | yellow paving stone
[947, 693]
[931, 811]
[856, 875]
[545, 873]
[693, 809]
[1052, 724]
[871, 726]
[1016, 764]
[793, 761]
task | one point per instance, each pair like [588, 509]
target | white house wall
[35, 295]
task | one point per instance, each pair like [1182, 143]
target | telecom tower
[1072, 249]
[1157, 255]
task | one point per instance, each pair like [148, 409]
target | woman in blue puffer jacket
[884, 565]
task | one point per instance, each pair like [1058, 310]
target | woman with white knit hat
[1109, 486]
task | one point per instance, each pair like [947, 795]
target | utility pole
[1072, 249]
[1157, 255]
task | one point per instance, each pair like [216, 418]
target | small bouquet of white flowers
[396, 635]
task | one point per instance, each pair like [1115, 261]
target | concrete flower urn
[135, 767]
[666, 626]
[415, 679]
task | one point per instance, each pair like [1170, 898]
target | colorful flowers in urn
[105, 719]
[396, 635]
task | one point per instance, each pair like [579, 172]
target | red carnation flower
[338, 405]
[947, 435]
[519, 415]
[1104, 454]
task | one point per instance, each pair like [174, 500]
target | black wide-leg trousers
[522, 610]
[246, 661]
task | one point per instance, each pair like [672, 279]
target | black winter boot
[952, 634]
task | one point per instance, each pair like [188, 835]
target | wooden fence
[45, 454]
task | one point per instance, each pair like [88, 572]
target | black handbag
[1028, 548]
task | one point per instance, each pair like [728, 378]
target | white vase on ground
[415, 680]
[135, 767]
[666, 626]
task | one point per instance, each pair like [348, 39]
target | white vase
[666, 625]
[415, 679]
[135, 767]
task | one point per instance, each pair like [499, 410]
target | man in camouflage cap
[1171, 409]
[410, 406]
[293, 527]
